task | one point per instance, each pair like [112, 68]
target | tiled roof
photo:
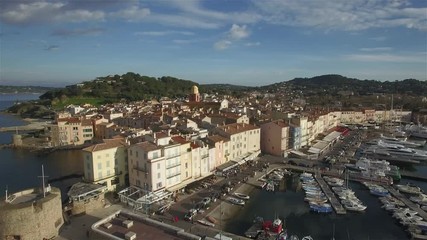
[235, 128]
[217, 138]
[107, 144]
[147, 146]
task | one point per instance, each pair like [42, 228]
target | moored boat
[241, 196]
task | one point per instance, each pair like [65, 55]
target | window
[87, 157]
[138, 183]
[107, 155]
[158, 166]
[99, 165]
[108, 173]
[136, 152]
[186, 165]
[130, 152]
[155, 155]
[108, 164]
[159, 175]
[186, 174]
[99, 174]
[88, 166]
[159, 185]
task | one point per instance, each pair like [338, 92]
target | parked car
[206, 200]
[190, 214]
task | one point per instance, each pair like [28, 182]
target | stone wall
[39, 219]
[81, 207]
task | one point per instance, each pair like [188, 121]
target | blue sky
[245, 42]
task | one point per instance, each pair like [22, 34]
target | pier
[405, 200]
[339, 209]
[35, 126]
[413, 175]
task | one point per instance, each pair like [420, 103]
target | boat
[236, 201]
[321, 208]
[206, 223]
[307, 238]
[275, 226]
[420, 199]
[379, 191]
[408, 189]
[353, 206]
[241, 196]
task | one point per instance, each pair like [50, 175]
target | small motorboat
[236, 201]
[206, 223]
[241, 196]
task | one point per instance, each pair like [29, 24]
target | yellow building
[106, 163]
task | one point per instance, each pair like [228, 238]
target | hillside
[332, 84]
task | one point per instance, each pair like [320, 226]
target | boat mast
[43, 177]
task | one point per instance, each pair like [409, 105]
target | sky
[242, 42]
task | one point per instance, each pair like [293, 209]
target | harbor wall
[38, 219]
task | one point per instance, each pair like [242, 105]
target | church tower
[194, 95]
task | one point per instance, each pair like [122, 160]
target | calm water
[19, 169]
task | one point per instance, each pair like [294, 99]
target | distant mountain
[24, 89]
[333, 83]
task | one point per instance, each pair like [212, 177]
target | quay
[413, 175]
[35, 126]
[339, 209]
[405, 200]
[393, 159]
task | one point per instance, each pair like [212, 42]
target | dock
[35, 126]
[413, 175]
[393, 159]
[339, 209]
[407, 202]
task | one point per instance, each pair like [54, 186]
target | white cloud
[235, 33]
[132, 14]
[252, 44]
[404, 58]
[376, 49]
[164, 33]
[343, 15]
[222, 44]
[238, 32]
[46, 12]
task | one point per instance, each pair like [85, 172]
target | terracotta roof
[107, 144]
[160, 135]
[217, 138]
[179, 139]
[235, 128]
[147, 146]
[281, 123]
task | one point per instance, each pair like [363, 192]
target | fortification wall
[38, 219]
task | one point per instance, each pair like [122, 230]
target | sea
[21, 169]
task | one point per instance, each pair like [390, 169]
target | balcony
[173, 165]
[205, 156]
[173, 155]
[173, 175]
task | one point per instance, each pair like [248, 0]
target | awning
[226, 166]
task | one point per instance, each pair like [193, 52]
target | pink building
[275, 138]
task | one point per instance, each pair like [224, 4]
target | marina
[339, 209]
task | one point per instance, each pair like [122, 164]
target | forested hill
[130, 86]
[334, 83]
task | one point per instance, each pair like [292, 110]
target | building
[194, 95]
[71, 131]
[107, 164]
[31, 214]
[275, 138]
[243, 138]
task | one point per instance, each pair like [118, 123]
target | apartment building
[106, 163]
[71, 131]
[147, 166]
[275, 138]
[243, 138]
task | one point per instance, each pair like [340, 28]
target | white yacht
[236, 201]
[408, 189]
